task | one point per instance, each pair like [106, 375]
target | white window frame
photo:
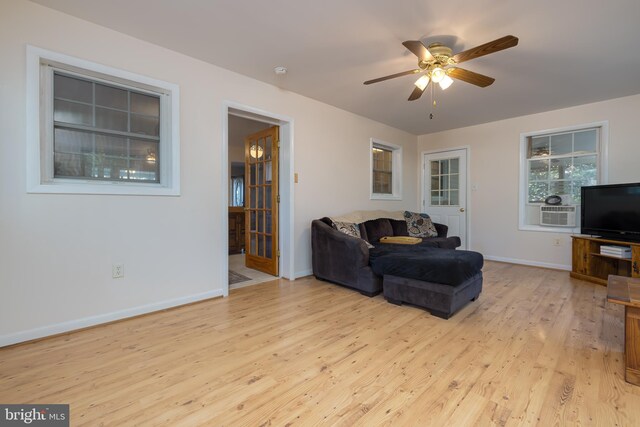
[39, 137]
[396, 170]
[603, 175]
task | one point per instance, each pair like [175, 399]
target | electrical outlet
[557, 242]
[117, 271]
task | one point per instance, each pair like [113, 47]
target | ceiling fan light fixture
[445, 82]
[437, 74]
[256, 151]
[151, 157]
[422, 82]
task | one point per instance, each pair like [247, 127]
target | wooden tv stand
[588, 264]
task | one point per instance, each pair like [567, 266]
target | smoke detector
[280, 70]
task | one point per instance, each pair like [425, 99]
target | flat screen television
[611, 211]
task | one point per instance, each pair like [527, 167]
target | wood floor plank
[537, 348]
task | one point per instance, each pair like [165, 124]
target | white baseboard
[303, 273]
[527, 262]
[85, 322]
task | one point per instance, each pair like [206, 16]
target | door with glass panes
[261, 204]
[445, 190]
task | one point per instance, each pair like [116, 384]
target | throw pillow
[347, 228]
[420, 225]
[350, 229]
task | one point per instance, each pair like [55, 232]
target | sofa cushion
[445, 242]
[363, 231]
[442, 229]
[377, 228]
[452, 242]
[420, 225]
[384, 249]
[399, 227]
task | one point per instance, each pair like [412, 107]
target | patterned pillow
[420, 225]
[350, 229]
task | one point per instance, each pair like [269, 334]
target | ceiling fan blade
[470, 77]
[419, 50]
[417, 93]
[392, 76]
[487, 48]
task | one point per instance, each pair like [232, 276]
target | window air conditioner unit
[558, 216]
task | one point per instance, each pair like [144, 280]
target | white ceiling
[571, 52]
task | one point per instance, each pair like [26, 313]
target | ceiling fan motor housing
[440, 51]
[441, 57]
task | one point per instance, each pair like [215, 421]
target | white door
[444, 196]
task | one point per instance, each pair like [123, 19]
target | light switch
[295, 178]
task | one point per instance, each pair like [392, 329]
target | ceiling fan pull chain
[433, 104]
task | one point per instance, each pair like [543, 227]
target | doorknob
[461, 209]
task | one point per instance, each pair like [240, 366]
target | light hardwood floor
[537, 348]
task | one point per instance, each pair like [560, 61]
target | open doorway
[242, 197]
[259, 196]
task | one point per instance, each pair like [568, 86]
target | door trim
[286, 231]
[422, 172]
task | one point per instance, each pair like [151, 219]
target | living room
[59, 248]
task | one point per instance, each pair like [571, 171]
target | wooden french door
[262, 198]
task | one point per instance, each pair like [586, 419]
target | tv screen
[611, 211]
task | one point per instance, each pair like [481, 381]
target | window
[98, 127]
[445, 182]
[104, 132]
[559, 163]
[237, 191]
[382, 167]
[386, 170]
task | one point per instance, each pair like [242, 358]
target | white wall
[495, 168]
[56, 251]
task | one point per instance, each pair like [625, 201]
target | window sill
[111, 188]
[545, 229]
[376, 196]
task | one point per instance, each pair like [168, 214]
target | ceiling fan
[439, 65]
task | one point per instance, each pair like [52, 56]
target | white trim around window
[602, 154]
[396, 170]
[39, 100]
